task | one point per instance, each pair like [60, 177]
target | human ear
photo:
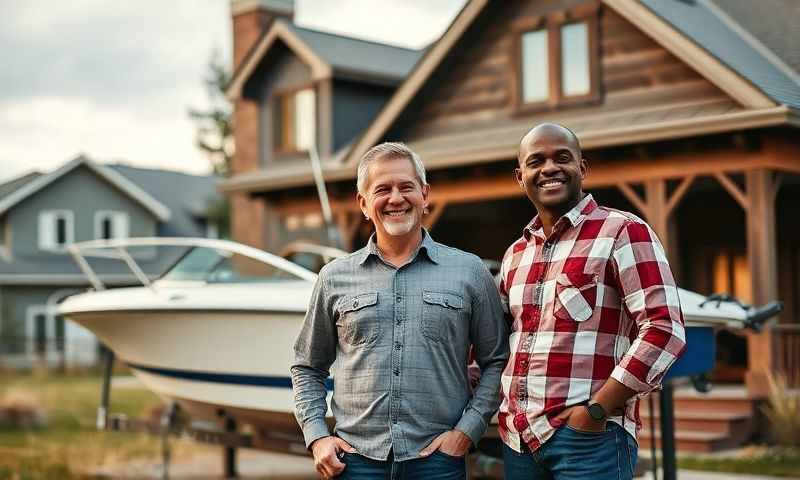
[362, 204]
[518, 176]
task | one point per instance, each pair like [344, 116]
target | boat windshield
[211, 265]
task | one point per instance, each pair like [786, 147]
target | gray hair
[388, 150]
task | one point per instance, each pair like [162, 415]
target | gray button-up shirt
[400, 338]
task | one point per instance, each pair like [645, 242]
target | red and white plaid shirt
[595, 300]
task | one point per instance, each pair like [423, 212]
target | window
[110, 224]
[56, 229]
[295, 121]
[558, 62]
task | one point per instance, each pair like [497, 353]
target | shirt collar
[575, 216]
[428, 245]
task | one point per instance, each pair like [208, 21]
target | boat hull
[213, 364]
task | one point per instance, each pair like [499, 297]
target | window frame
[51, 245]
[112, 215]
[277, 100]
[552, 24]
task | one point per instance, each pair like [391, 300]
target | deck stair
[721, 419]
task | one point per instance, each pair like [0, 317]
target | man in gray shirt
[398, 317]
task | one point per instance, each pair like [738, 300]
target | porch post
[761, 253]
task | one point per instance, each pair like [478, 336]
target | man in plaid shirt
[596, 322]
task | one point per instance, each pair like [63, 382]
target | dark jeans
[438, 466]
[574, 455]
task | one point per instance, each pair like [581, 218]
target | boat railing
[119, 249]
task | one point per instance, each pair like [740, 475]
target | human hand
[326, 452]
[452, 442]
[578, 418]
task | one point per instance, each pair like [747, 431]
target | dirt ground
[253, 465]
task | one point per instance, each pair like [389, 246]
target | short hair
[388, 150]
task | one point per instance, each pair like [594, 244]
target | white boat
[215, 332]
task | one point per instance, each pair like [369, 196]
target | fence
[18, 352]
[787, 352]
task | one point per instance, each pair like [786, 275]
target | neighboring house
[41, 214]
[688, 111]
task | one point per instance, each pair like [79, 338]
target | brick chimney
[251, 18]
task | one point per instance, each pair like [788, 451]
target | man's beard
[396, 229]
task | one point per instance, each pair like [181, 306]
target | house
[687, 110]
[41, 214]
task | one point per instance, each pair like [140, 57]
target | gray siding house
[41, 214]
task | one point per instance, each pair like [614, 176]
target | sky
[113, 79]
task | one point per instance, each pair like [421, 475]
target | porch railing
[787, 352]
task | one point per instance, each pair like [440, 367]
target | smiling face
[393, 197]
[551, 169]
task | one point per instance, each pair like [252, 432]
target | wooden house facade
[686, 116]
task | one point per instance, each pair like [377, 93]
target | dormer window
[56, 229]
[557, 62]
[295, 122]
[110, 224]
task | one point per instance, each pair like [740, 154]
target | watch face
[596, 411]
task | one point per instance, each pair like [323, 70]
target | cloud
[115, 53]
[114, 80]
[406, 23]
[47, 131]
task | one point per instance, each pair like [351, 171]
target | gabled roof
[703, 58]
[360, 58]
[329, 55]
[187, 196]
[158, 209]
[13, 185]
[776, 25]
[726, 39]
[741, 101]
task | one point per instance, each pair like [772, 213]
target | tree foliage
[214, 133]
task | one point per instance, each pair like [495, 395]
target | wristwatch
[596, 411]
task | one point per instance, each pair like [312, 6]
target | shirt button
[399, 299]
[396, 372]
[399, 322]
[397, 346]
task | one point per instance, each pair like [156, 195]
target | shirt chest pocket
[576, 296]
[358, 321]
[440, 312]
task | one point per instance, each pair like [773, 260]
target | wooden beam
[635, 199]
[733, 189]
[656, 195]
[776, 185]
[679, 192]
[600, 175]
[761, 254]
[429, 220]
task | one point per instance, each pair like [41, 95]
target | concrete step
[734, 424]
[705, 422]
[689, 441]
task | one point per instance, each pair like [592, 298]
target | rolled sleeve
[650, 299]
[314, 353]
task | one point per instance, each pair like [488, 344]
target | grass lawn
[68, 446]
[754, 460]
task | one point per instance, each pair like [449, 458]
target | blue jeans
[574, 455]
[438, 466]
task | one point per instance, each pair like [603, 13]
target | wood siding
[476, 86]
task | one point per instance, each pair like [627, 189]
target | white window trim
[48, 244]
[30, 327]
[117, 218]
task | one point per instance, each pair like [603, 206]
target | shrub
[783, 412]
[21, 409]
